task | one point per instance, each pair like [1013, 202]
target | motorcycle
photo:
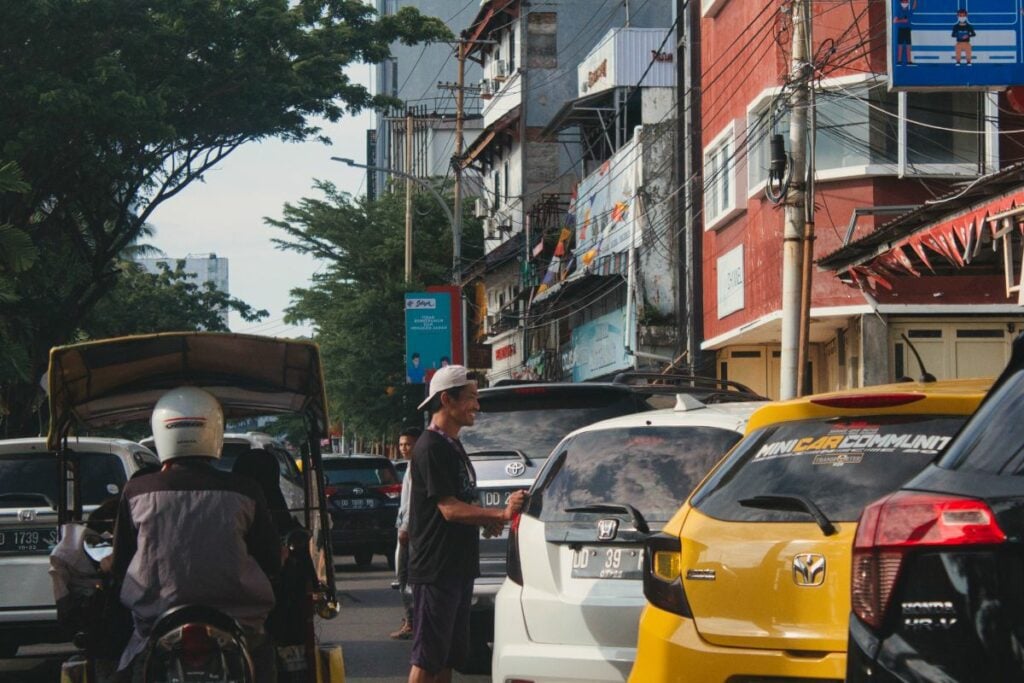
[112, 382]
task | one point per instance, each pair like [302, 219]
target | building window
[720, 176]
[512, 51]
[862, 128]
[496, 178]
[506, 188]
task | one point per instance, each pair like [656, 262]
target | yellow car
[750, 580]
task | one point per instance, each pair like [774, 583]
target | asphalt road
[370, 610]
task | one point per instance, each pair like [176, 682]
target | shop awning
[948, 233]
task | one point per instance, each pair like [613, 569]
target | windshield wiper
[502, 454]
[794, 504]
[638, 519]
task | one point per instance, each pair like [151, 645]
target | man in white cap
[444, 534]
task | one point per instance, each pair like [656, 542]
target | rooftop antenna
[925, 375]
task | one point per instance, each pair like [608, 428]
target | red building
[878, 155]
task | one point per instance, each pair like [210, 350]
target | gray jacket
[192, 534]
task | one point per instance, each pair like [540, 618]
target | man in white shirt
[406, 440]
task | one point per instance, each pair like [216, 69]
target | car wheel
[364, 558]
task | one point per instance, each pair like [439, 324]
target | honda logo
[26, 515]
[606, 529]
[515, 469]
[809, 569]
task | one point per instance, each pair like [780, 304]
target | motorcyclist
[191, 534]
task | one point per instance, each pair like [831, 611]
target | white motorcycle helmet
[187, 422]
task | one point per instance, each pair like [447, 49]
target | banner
[428, 334]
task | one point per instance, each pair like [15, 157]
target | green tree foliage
[111, 107]
[168, 301]
[356, 301]
[17, 253]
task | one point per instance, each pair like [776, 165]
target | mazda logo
[515, 469]
[809, 569]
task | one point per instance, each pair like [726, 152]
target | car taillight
[391, 490]
[663, 581]
[197, 645]
[890, 527]
[513, 567]
[330, 491]
[869, 400]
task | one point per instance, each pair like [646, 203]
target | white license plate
[28, 540]
[608, 562]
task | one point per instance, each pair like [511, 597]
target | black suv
[519, 424]
[938, 567]
[363, 493]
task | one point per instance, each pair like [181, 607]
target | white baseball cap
[448, 377]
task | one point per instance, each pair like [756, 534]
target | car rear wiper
[503, 454]
[794, 504]
[638, 519]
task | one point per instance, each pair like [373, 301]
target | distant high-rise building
[206, 267]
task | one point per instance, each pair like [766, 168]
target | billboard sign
[428, 334]
[955, 44]
[599, 347]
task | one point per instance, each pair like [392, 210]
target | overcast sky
[225, 214]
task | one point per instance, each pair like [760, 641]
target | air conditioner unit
[500, 70]
[486, 92]
[490, 228]
[480, 208]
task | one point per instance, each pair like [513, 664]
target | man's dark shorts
[903, 36]
[440, 623]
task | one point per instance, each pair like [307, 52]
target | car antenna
[925, 375]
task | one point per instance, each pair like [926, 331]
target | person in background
[406, 441]
[444, 528]
[261, 466]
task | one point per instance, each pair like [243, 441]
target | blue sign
[956, 44]
[599, 347]
[428, 334]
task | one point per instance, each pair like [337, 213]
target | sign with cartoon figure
[428, 334]
[956, 44]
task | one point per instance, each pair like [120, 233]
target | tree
[356, 302]
[111, 107]
[16, 254]
[167, 301]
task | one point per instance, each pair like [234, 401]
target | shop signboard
[598, 347]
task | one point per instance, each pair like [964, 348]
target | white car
[570, 607]
[28, 525]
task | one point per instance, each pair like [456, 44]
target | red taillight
[391, 490]
[330, 491]
[197, 645]
[868, 400]
[905, 520]
[513, 566]
[530, 390]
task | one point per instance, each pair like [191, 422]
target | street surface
[370, 610]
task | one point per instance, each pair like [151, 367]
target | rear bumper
[516, 656]
[670, 650]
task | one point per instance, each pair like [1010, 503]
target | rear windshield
[840, 464]
[342, 471]
[651, 468]
[24, 474]
[534, 422]
[993, 441]
[229, 454]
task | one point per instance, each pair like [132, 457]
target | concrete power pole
[796, 198]
[408, 196]
[688, 33]
[460, 94]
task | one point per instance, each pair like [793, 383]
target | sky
[224, 214]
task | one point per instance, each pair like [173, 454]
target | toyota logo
[515, 469]
[358, 491]
[809, 569]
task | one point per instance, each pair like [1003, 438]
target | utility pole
[693, 196]
[796, 197]
[408, 195]
[460, 95]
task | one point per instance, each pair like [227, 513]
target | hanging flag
[538, 248]
[619, 211]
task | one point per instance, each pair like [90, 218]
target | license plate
[608, 562]
[495, 498]
[358, 503]
[31, 540]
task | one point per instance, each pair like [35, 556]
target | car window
[285, 463]
[651, 468]
[840, 464]
[102, 476]
[993, 441]
[340, 471]
[533, 421]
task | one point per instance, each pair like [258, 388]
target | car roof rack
[711, 389]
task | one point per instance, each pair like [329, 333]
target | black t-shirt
[438, 547]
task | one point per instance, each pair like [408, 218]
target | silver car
[28, 525]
